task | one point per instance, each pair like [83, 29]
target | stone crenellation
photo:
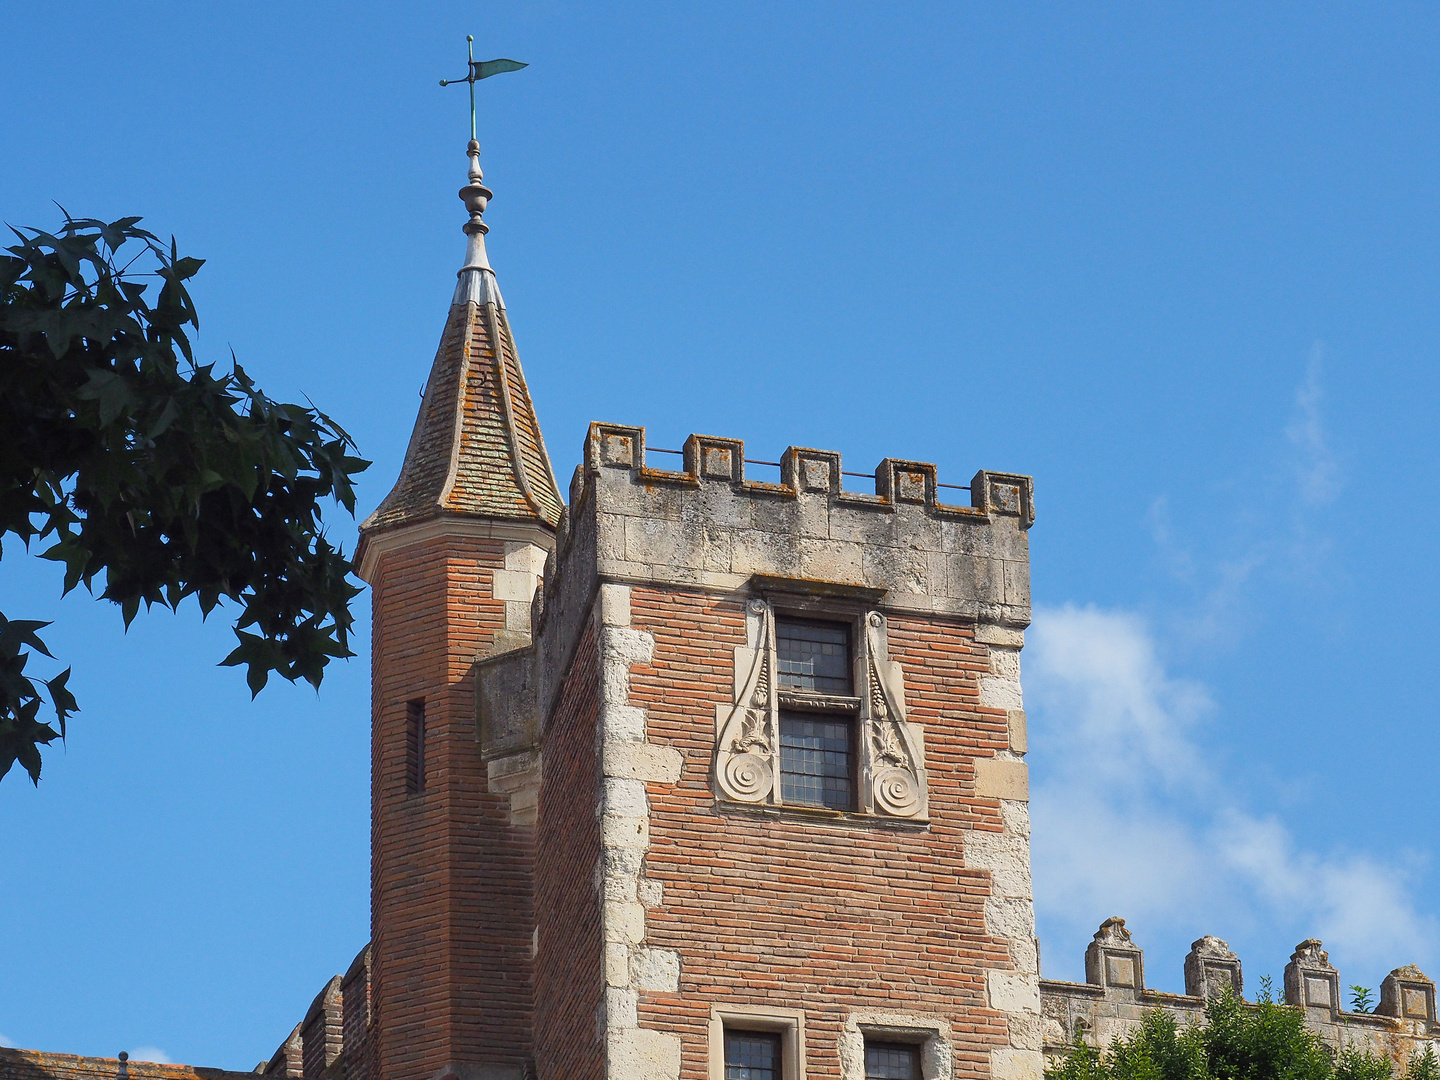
[1114, 998]
[710, 525]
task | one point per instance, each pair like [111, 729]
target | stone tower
[452, 556]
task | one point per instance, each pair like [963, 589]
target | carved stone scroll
[893, 754]
[747, 737]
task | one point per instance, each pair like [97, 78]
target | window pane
[815, 761]
[814, 656]
[752, 1055]
[892, 1061]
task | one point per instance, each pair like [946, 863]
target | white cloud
[150, 1053]
[1295, 488]
[1316, 468]
[1133, 817]
[5, 1041]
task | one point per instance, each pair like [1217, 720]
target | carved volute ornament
[895, 770]
[890, 750]
[748, 744]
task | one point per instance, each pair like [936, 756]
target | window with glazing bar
[817, 748]
[892, 1061]
[814, 656]
[752, 1055]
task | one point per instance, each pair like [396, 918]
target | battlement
[1113, 999]
[707, 524]
[806, 472]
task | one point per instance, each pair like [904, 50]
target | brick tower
[738, 791]
[453, 555]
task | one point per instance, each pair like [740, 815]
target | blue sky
[1178, 262]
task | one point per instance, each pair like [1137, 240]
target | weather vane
[481, 69]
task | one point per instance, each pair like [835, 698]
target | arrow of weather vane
[481, 69]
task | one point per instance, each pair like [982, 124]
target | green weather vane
[481, 69]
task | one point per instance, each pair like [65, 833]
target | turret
[453, 555]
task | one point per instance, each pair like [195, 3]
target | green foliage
[1361, 999]
[1266, 1041]
[1354, 1063]
[1263, 1041]
[1081, 1062]
[1423, 1066]
[168, 479]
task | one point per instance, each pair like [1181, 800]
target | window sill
[809, 702]
[819, 813]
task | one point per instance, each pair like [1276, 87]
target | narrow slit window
[752, 1055]
[813, 656]
[892, 1061]
[816, 761]
[415, 746]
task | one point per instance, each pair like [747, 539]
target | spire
[476, 449]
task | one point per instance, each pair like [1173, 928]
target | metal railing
[776, 465]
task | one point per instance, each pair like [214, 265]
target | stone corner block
[624, 921]
[640, 1054]
[513, 585]
[996, 778]
[615, 605]
[1014, 991]
[1008, 1063]
[656, 970]
[642, 761]
[1015, 728]
[990, 634]
[1001, 692]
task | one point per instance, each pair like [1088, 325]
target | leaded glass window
[752, 1055]
[813, 656]
[892, 1061]
[816, 767]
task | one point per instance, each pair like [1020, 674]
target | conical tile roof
[476, 449]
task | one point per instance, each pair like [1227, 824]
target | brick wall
[568, 982]
[321, 1034]
[355, 1001]
[825, 913]
[451, 881]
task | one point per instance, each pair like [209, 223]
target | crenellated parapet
[1113, 999]
[708, 523]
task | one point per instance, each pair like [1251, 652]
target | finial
[475, 194]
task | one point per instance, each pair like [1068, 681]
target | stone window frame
[789, 1024]
[928, 1032]
[890, 775]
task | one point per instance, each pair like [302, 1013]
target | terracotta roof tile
[37, 1065]
[476, 447]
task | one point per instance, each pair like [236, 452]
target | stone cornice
[374, 545]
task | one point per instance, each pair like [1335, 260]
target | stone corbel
[747, 739]
[892, 749]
